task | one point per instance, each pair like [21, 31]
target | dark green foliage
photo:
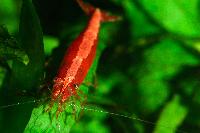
[146, 68]
[10, 49]
[31, 40]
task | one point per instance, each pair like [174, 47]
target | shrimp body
[79, 56]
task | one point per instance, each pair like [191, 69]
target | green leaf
[161, 62]
[42, 121]
[31, 40]
[171, 117]
[176, 16]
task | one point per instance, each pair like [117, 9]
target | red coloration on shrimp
[79, 56]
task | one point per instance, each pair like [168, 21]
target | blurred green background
[147, 67]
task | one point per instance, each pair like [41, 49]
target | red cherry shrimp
[79, 56]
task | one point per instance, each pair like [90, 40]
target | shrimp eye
[76, 86]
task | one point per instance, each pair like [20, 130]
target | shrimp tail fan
[89, 9]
